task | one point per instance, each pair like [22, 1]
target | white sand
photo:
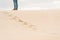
[30, 25]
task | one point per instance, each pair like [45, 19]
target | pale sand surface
[30, 25]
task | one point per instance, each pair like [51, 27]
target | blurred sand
[30, 25]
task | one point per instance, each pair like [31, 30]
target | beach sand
[30, 25]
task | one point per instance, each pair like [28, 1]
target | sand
[30, 25]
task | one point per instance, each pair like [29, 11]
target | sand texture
[30, 25]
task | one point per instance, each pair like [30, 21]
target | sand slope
[30, 25]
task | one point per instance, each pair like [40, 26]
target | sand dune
[30, 25]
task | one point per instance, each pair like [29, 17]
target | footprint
[17, 19]
[25, 23]
[20, 20]
[30, 26]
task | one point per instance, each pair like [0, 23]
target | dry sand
[30, 25]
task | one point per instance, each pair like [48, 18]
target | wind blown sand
[30, 25]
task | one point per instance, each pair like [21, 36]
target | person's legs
[15, 5]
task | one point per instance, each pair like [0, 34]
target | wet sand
[30, 25]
